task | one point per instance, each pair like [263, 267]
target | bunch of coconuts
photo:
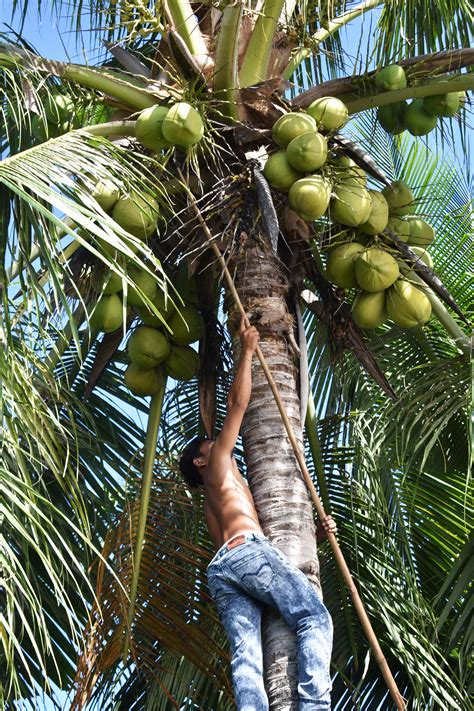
[421, 115]
[160, 127]
[57, 118]
[296, 167]
[161, 343]
[362, 263]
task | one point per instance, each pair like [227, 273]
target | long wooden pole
[356, 599]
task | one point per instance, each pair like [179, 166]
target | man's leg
[289, 591]
[241, 617]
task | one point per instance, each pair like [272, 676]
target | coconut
[291, 125]
[106, 194]
[423, 255]
[148, 347]
[145, 284]
[401, 227]
[399, 197]
[418, 121]
[114, 283]
[442, 104]
[348, 172]
[378, 217]
[279, 172]
[351, 206]
[391, 118]
[143, 381]
[330, 113]
[307, 152]
[407, 305]
[186, 325]
[108, 314]
[391, 78]
[149, 128]
[368, 309]
[182, 363]
[136, 215]
[44, 130]
[162, 303]
[309, 197]
[421, 232]
[340, 267]
[182, 125]
[58, 108]
[376, 270]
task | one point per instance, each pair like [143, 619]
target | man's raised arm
[239, 393]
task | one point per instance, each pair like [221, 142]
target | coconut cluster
[383, 281]
[303, 141]
[160, 127]
[421, 115]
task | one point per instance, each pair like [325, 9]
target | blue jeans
[242, 580]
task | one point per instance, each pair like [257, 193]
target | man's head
[194, 459]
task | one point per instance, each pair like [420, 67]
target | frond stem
[226, 78]
[255, 64]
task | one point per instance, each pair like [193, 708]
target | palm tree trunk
[280, 495]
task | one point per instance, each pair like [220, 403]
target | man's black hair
[189, 470]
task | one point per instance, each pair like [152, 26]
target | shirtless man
[248, 572]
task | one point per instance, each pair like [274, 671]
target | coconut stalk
[184, 21]
[226, 76]
[154, 418]
[255, 64]
[323, 33]
[444, 317]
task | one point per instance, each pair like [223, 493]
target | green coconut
[309, 197]
[399, 197]
[185, 283]
[108, 314]
[145, 285]
[182, 126]
[351, 205]
[148, 347]
[44, 130]
[106, 194]
[330, 113]
[368, 309]
[149, 128]
[182, 363]
[406, 268]
[442, 104]
[391, 78]
[376, 270]
[391, 118]
[58, 108]
[401, 227]
[279, 172]
[136, 215]
[378, 217]
[340, 267]
[417, 120]
[162, 303]
[307, 152]
[407, 305]
[462, 99]
[347, 171]
[143, 381]
[113, 283]
[421, 233]
[187, 325]
[291, 125]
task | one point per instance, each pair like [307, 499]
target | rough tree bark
[281, 498]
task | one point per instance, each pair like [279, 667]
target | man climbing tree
[248, 572]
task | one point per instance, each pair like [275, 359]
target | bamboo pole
[356, 599]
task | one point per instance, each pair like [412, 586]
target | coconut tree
[118, 173]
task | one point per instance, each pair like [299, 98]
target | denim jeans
[242, 580]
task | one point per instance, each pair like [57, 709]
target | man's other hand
[249, 337]
[325, 526]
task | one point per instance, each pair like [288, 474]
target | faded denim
[244, 579]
